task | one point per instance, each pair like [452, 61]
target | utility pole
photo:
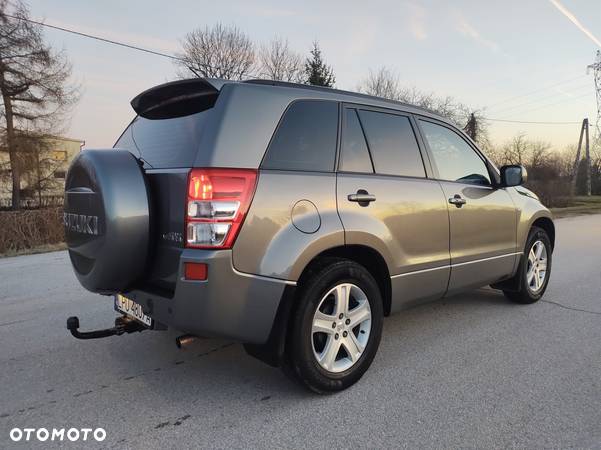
[584, 133]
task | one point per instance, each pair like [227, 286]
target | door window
[355, 155]
[455, 159]
[392, 144]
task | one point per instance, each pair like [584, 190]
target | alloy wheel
[537, 267]
[341, 327]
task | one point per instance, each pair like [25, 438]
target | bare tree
[279, 62]
[381, 83]
[516, 151]
[549, 170]
[34, 84]
[39, 165]
[217, 52]
[539, 154]
[385, 83]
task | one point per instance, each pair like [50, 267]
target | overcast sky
[520, 59]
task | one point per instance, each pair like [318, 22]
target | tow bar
[122, 325]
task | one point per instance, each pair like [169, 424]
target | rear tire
[336, 327]
[534, 270]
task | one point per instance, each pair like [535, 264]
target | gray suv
[293, 219]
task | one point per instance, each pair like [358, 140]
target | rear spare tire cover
[107, 219]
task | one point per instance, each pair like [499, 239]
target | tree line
[226, 52]
[551, 171]
[38, 94]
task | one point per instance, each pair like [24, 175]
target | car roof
[336, 94]
[333, 91]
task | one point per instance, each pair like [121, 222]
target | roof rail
[335, 91]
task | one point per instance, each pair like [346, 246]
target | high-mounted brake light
[218, 200]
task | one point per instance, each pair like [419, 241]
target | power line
[121, 44]
[565, 100]
[536, 91]
[532, 122]
[176, 58]
[534, 101]
[98, 38]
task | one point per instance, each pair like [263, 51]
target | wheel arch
[543, 221]
[365, 256]
[546, 224]
[273, 350]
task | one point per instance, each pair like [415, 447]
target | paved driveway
[470, 371]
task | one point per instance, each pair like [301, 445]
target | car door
[387, 202]
[482, 216]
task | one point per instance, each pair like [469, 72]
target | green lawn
[580, 205]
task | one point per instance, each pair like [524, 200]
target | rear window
[392, 144]
[165, 143]
[305, 138]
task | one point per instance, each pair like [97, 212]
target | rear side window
[305, 138]
[392, 144]
[165, 143]
[355, 155]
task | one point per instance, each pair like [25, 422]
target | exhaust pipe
[184, 340]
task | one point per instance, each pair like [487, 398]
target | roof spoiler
[177, 98]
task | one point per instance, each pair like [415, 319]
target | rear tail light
[218, 200]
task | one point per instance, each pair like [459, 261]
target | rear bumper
[230, 304]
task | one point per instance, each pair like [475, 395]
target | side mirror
[513, 175]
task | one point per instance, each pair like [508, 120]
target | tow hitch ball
[122, 325]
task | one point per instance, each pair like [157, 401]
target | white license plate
[132, 309]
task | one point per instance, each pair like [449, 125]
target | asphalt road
[471, 371]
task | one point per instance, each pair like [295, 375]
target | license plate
[131, 309]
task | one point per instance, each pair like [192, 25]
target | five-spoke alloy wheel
[341, 327]
[533, 273]
[336, 326]
[537, 266]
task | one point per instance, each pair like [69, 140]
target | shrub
[552, 193]
[21, 230]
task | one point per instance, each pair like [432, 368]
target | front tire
[535, 268]
[336, 327]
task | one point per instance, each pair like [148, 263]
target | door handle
[457, 200]
[362, 197]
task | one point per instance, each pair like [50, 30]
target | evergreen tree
[472, 127]
[317, 71]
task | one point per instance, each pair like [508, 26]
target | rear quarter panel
[269, 243]
[242, 124]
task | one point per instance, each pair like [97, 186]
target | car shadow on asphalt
[223, 368]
